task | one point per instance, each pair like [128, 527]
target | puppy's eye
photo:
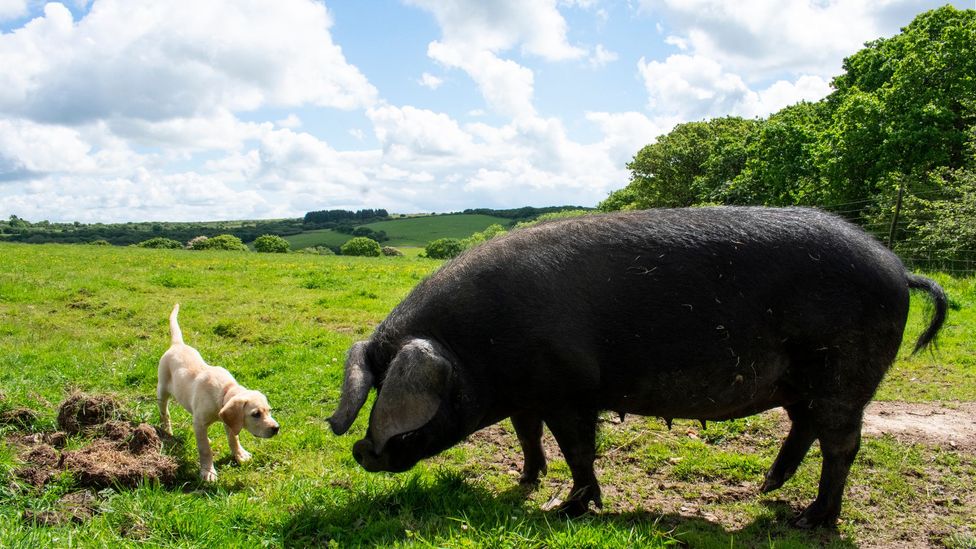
[256, 413]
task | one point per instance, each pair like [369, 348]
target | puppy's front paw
[208, 475]
[242, 456]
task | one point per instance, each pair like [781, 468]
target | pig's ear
[356, 383]
[412, 391]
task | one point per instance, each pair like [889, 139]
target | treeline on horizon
[16, 229]
[901, 121]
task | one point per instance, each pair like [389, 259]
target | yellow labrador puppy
[209, 393]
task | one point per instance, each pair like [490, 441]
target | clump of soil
[106, 463]
[81, 412]
[121, 454]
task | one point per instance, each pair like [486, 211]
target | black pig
[705, 313]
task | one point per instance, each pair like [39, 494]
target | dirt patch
[120, 454]
[952, 425]
[635, 477]
[81, 412]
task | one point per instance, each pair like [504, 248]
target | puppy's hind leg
[162, 398]
[233, 440]
[207, 471]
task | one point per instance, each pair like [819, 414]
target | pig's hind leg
[575, 432]
[528, 427]
[838, 427]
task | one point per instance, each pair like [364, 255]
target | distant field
[95, 318]
[408, 231]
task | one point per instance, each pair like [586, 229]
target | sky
[198, 110]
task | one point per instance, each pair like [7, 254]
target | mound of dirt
[125, 458]
[121, 454]
[106, 462]
[81, 412]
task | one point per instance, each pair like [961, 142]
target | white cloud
[12, 9]
[624, 134]
[417, 132]
[762, 38]
[506, 86]
[602, 56]
[428, 80]
[686, 87]
[473, 25]
[292, 121]
[475, 33]
[123, 60]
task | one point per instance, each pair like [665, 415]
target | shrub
[361, 245]
[444, 248]
[390, 251]
[197, 243]
[100, 242]
[271, 244]
[484, 236]
[161, 242]
[315, 250]
[221, 242]
[565, 214]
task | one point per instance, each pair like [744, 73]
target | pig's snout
[364, 455]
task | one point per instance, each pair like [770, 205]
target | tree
[226, 242]
[161, 242]
[481, 237]
[780, 160]
[693, 164]
[270, 243]
[444, 248]
[361, 246]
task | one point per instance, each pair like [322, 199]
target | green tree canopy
[443, 248]
[227, 242]
[361, 246]
[271, 244]
[693, 163]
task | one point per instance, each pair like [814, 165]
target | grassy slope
[95, 318]
[409, 231]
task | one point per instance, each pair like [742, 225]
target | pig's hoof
[573, 508]
[531, 476]
[812, 518]
[770, 484]
[529, 479]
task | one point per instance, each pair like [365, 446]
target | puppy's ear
[232, 414]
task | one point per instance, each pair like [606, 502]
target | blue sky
[132, 110]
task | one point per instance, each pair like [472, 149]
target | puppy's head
[249, 410]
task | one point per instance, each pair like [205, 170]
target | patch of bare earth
[119, 453]
[949, 427]
[944, 497]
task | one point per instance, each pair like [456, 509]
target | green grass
[95, 318]
[407, 231]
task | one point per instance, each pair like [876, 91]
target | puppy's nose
[275, 429]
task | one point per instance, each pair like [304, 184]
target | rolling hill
[406, 231]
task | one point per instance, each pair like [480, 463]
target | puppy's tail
[175, 335]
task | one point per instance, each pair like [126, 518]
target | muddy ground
[117, 453]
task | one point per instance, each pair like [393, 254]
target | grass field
[407, 231]
[94, 318]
